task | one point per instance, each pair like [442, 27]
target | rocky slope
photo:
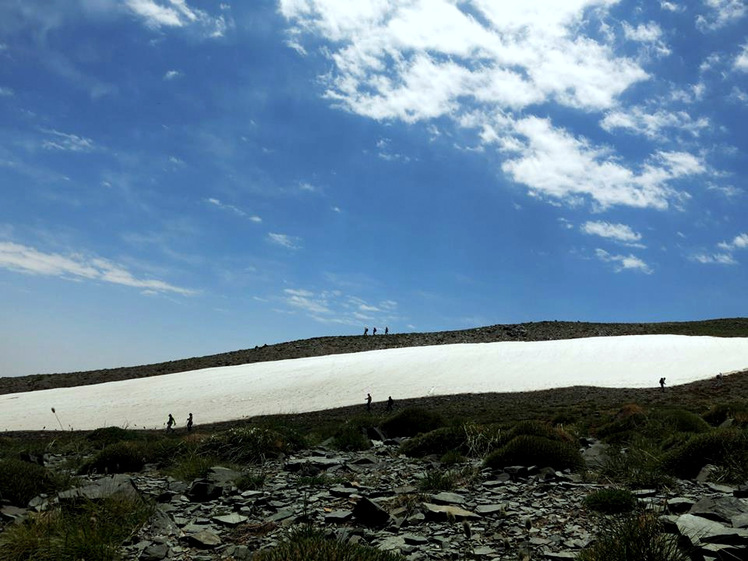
[373, 498]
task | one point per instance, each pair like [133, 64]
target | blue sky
[183, 177]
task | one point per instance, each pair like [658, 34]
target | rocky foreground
[373, 498]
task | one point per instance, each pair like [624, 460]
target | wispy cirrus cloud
[177, 13]
[720, 13]
[623, 262]
[335, 306]
[617, 232]
[172, 75]
[654, 124]
[66, 142]
[234, 209]
[741, 61]
[284, 240]
[714, 258]
[28, 260]
[725, 254]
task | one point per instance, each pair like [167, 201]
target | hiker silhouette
[368, 402]
[189, 423]
[170, 423]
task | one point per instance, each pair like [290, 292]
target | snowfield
[309, 384]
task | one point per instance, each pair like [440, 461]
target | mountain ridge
[328, 345]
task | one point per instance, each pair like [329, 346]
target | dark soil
[318, 346]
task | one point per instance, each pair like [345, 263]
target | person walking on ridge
[170, 423]
[390, 403]
[662, 384]
[189, 423]
[368, 402]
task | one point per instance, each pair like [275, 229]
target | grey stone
[222, 476]
[596, 454]
[154, 552]
[101, 489]
[490, 509]
[12, 513]
[202, 490]
[232, 519]
[679, 505]
[369, 513]
[446, 498]
[445, 512]
[338, 516]
[700, 530]
[721, 509]
[414, 539]
[204, 539]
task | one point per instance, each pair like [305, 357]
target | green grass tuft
[611, 501]
[308, 544]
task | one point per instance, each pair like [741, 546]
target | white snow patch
[309, 384]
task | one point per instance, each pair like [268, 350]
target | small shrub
[451, 458]
[412, 421]
[103, 437]
[245, 445]
[721, 447]
[308, 544]
[21, 481]
[437, 480]
[538, 428]
[611, 501]
[251, 481]
[638, 466]
[679, 420]
[351, 437]
[439, 441]
[121, 457]
[528, 450]
[192, 466]
[93, 531]
[480, 440]
[639, 536]
[723, 411]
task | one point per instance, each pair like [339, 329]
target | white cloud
[176, 13]
[644, 32]
[172, 74]
[671, 6]
[652, 125]
[741, 62]
[415, 60]
[738, 242]
[721, 13]
[334, 306]
[6, 92]
[231, 208]
[27, 260]
[67, 142]
[484, 65]
[555, 164]
[284, 240]
[618, 232]
[624, 262]
[714, 259]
